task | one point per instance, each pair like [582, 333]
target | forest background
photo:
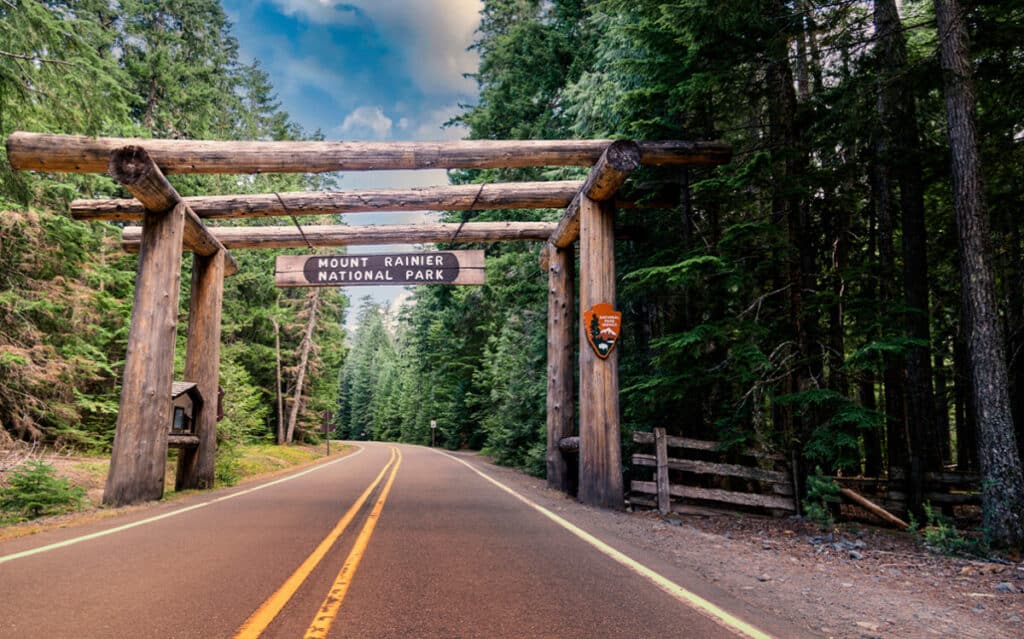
[805, 298]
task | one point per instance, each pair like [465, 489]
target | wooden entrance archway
[171, 223]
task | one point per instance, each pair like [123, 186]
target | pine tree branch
[33, 58]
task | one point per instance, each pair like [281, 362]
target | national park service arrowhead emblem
[602, 324]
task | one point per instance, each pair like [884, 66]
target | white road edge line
[664, 583]
[142, 522]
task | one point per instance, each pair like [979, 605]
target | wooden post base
[600, 444]
[202, 366]
[139, 457]
[561, 416]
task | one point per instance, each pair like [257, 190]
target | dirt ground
[854, 581]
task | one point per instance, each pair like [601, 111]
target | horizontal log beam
[247, 237]
[465, 197]
[81, 154]
[641, 437]
[134, 169]
[182, 441]
[569, 444]
[939, 498]
[774, 502]
[712, 468]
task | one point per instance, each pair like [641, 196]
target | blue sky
[366, 70]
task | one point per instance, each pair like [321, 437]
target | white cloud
[366, 122]
[431, 125]
[431, 35]
[372, 123]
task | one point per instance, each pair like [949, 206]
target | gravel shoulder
[852, 581]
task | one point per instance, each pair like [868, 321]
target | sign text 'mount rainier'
[399, 269]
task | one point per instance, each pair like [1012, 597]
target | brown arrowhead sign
[602, 324]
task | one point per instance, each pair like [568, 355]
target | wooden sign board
[397, 269]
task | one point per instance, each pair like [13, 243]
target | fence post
[661, 458]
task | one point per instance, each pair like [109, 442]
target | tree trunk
[1002, 479]
[898, 116]
[304, 349]
[789, 170]
[837, 379]
[1015, 321]
[280, 393]
[966, 425]
[942, 405]
[892, 375]
[872, 437]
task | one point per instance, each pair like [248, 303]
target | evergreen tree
[1002, 475]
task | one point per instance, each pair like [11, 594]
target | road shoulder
[788, 568]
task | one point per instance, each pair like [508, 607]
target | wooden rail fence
[747, 485]
[944, 490]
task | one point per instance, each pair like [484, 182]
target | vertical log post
[139, 457]
[661, 459]
[202, 366]
[600, 439]
[561, 416]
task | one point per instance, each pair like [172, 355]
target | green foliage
[834, 441]
[33, 490]
[822, 492]
[941, 536]
[513, 420]
[136, 68]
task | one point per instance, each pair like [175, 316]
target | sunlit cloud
[366, 123]
[432, 36]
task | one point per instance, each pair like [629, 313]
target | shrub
[34, 490]
[822, 491]
[942, 537]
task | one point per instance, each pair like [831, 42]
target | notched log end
[623, 155]
[130, 164]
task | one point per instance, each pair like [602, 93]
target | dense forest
[807, 297]
[849, 290]
[147, 69]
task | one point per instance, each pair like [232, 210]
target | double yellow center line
[268, 611]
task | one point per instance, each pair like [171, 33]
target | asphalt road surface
[391, 541]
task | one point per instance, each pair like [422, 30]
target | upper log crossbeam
[322, 236]
[619, 159]
[463, 197]
[81, 154]
[134, 169]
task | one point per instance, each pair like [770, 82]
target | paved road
[393, 541]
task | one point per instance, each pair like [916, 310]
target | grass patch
[249, 462]
[260, 459]
[96, 470]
